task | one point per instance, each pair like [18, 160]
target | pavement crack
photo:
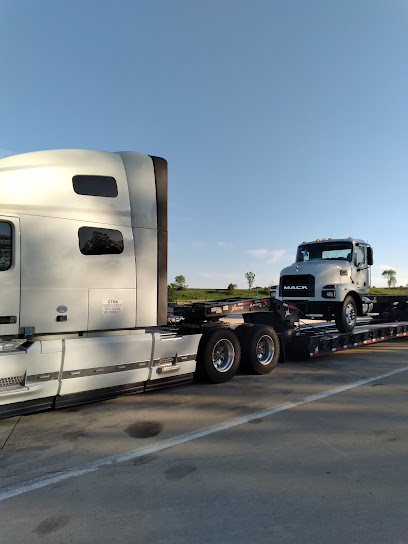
[393, 387]
[11, 432]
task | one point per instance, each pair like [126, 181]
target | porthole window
[96, 241]
[95, 186]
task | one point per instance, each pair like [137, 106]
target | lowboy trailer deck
[315, 341]
[307, 340]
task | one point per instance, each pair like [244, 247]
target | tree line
[180, 284]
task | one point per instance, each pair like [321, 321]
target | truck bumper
[327, 309]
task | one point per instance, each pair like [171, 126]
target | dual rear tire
[221, 350]
[260, 348]
[218, 356]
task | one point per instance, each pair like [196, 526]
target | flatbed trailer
[303, 341]
[314, 341]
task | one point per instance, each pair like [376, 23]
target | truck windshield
[325, 251]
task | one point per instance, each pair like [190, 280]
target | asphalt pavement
[315, 452]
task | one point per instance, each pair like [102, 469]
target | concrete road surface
[316, 452]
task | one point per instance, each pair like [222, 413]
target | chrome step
[12, 389]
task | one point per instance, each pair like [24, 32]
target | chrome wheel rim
[350, 314]
[265, 349]
[223, 355]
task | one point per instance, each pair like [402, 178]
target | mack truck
[83, 290]
[331, 278]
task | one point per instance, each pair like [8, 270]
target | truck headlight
[329, 291]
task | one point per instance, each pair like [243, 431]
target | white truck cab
[83, 242]
[331, 277]
[83, 279]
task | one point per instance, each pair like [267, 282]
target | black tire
[260, 349]
[241, 331]
[346, 317]
[218, 356]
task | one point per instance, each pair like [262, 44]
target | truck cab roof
[82, 184]
[325, 240]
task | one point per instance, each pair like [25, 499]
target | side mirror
[370, 259]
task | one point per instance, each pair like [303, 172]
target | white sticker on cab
[112, 306]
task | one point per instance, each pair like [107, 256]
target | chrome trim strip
[42, 377]
[175, 359]
[80, 373]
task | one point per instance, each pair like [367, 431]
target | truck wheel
[260, 349]
[218, 356]
[346, 317]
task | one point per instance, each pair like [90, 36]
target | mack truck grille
[300, 286]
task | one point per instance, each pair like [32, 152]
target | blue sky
[281, 120]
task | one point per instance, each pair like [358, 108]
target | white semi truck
[83, 280]
[331, 278]
[83, 290]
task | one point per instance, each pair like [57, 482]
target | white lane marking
[44, 481]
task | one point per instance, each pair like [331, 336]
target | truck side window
[95, 186]
[96, 241]
[5, 246]
[359, 259]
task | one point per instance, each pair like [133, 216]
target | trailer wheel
[346, 317]
[218, 356]
[260, 349]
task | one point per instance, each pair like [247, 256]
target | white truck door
[9, 275]
[361, 268]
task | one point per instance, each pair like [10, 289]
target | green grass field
[210, 294]
[389, 290]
